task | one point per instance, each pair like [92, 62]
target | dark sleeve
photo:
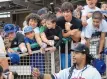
[20, 38]
[60, 38]
[48, 35]
[61, 22]
[79, 24]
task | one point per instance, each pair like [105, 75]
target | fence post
[60, 56]
[52, 63]
[71, 53]
[66, 54]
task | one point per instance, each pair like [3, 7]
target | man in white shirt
[90, 7]
[95, 24]
[80, 70]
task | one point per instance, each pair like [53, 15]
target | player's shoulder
[104, 21]
[92, 69]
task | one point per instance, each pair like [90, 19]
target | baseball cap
[14, 58]
[42, 11]
[28, 29]
[82, 48]
[8, 28]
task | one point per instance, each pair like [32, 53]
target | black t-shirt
[50, 33]
[17, 40]
[76, 23]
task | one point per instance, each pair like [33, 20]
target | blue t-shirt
[28, 40]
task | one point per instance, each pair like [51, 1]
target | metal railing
[47, 62]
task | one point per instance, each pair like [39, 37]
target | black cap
[81, 48]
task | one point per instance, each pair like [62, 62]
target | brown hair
[33, 16]
[97, 15]
[67, 6]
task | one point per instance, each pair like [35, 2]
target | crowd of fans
[48, 29]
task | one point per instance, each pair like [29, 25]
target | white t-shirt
[2, 47]
[90, 29]
[36, 30]
[87, 10]
[88, 72]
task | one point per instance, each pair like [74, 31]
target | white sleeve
[36, 30]
[63, 74]
[104, 26]
[87, 32]
[84, 12]
[96, 75]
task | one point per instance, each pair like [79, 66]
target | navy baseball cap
[8, 28]
[82, 48]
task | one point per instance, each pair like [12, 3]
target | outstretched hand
[35, 73]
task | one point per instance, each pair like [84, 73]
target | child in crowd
[52, 32]
[104, 9]
[90, 7]
[58, 12]
[71, 29]
[78, 11]
[13, 39]
[104, 6]
[43, 23]
[30, 39]
[33, 20]
[97, 25]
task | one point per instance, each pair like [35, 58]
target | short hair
[97, 15]
[67, 6]
[43, 16]
[57, 9]
[52, 17]
[33, 16]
